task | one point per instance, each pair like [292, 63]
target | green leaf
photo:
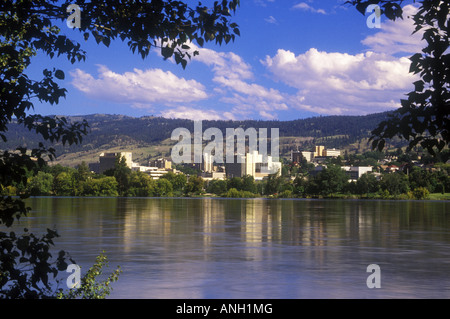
[167, 52]
[106, 41]
[183, 63]
[59, 74]
[361, 7]
[419, 86]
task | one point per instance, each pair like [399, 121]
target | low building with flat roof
[161, 163]
[355, 172]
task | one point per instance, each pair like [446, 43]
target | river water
[256, 248]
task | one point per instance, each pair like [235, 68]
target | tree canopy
[424, 116]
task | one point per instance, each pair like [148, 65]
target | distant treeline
[294, 182]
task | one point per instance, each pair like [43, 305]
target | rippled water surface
[226, 248]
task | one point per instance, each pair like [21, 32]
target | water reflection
[207, 248]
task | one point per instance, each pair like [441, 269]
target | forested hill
[119, 131]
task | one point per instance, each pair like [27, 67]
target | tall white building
[251, 160]
[258, 168]
[253, 164]
[207, 163]
[308, 155]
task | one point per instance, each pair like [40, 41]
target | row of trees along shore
[295, 182]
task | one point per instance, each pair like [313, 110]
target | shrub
[90, 287]
[285, 194]
[234, 193]
[421, 193]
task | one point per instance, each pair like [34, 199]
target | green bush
[234, 193]
[90, 287]
[285, 194]
[421, 193]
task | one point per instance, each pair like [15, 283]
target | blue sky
[294, 59]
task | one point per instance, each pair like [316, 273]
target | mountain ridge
[149, 136]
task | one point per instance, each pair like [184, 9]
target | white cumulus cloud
[190, 113]
[341, 83]
[397, 36]
[306, 7]
[139, 87]
[237, 87]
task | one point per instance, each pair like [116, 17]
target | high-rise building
[108, 160]
[318, 151]
[253, 165]
[235, 169]
[207, 164]
[251, 159]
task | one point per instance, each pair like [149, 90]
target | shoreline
[318, 197]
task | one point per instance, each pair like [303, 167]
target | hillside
[149, 137]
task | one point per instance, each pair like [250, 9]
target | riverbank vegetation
[294, 182]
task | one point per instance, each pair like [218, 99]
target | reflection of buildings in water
[254, 224]
[171, 220]
[313, 229]
[375, 223]
[353, 222]
[262, 220]
[255, 228]
[252, 219]
[142, 217]
[213, 219]
[321, 229]
[207, 223]
[359, 225]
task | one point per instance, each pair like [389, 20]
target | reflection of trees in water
[295, 222]
[180, 225]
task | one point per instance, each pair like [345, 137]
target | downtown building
[319, 154]
[107, 161]
[155, 170]
[252, 164]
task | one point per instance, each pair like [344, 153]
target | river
[256, 248]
